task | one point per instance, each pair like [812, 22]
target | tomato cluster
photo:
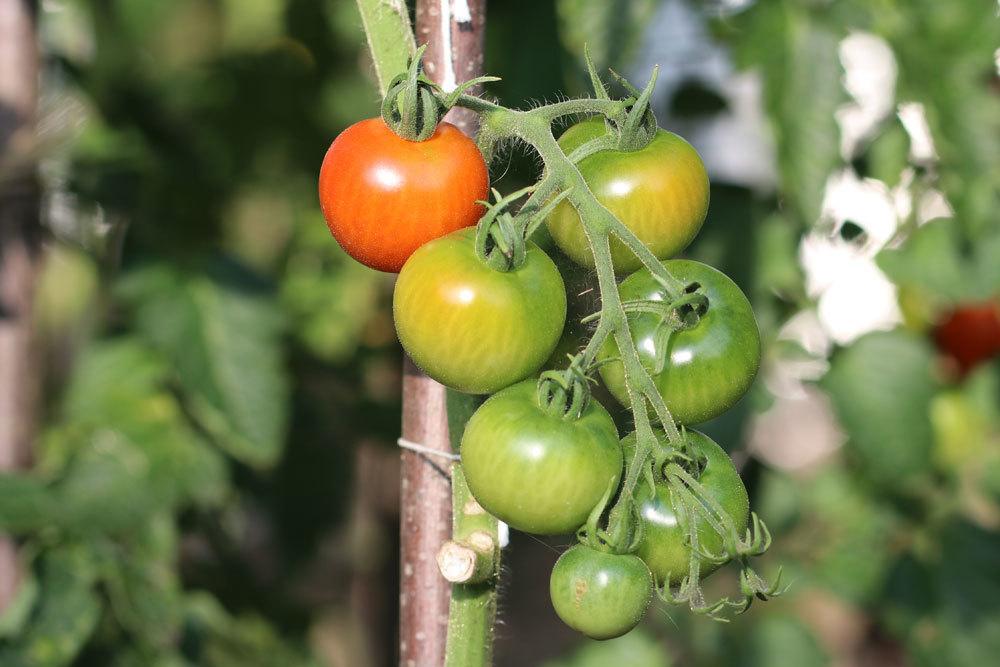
[481, 311]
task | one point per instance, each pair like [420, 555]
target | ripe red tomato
[659, 192]
[970, 334]
[383, 196]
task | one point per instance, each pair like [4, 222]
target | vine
[412, 107]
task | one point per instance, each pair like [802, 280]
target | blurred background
[214, 479]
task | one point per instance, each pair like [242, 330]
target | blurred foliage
[215, 361]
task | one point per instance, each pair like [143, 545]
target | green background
[216, 484]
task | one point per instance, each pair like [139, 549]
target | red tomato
[970, 334]
[383, 196]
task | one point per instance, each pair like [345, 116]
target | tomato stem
[534, 128]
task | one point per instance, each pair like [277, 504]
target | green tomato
[474, 328]
[537, 471]
[602, 595]
[665, 547]
[710, 367]
[659, 192]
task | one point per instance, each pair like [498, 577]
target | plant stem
[390, 39]
[533, 127]
[474, 604]
[455, 54]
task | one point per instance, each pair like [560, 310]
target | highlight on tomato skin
[383, 196]
[970, 334]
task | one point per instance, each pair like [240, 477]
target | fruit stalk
[533, 127]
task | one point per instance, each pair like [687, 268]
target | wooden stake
[453, 30]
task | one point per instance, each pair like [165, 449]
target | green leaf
[888, 153]
[795, 50]
[611, 30]
[109, 380]
[14, 618]
[66, 615]
[25, 503]
[636, 649]
[143, 585]
[947, 611]
[881, 388]
[778, 641]
[929, 261]
[850, 554]
[223, 640]
[223, 340]
[943, 265]
[123, 453]
[331, 297]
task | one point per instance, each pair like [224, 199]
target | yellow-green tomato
[659, 192]
[665, 547]
[474, 328]
[603, 595]
[709, 367]
[539, 472]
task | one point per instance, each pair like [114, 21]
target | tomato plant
[372, 179]
[660, 192]
[483, 310]
[970, 334]
[665, 545]
[533, 468]
[700, 372]
[603, 595]
[472, 327]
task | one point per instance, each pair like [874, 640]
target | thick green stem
[609, 108]
[474, 602]
[673, 287]
[390, 39]
[472, 607]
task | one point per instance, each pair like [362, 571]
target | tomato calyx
[564, 394]
[414, 105]
[693, 505]
[680, 313]
[620, 537]
[637, 127]
[501, 238]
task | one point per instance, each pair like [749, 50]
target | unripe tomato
[970, 334]
[664, 546]
[659, 192]
[383, 196]
[709, 367]
[472, 327]
[602, 595]
[539, 472]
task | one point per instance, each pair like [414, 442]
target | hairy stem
[474, 602]
[390, 39]
[534, 129]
